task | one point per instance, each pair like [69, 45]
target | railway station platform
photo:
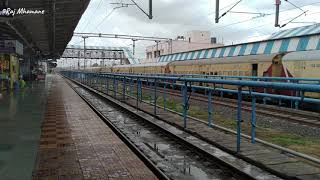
[49, 132]
[279, 162]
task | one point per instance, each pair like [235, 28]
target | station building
[193, 40]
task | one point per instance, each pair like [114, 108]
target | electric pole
[133, 46]
[278, 3]
[217, 11]
[84, 51]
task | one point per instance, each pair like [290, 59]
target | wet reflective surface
[21, 114]
[177, 161]
[76, 144]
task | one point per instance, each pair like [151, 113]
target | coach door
[254, 70]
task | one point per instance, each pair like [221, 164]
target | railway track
[298, 116]
[169, 150]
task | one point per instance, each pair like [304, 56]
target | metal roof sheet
[225, 60]
[299, 31]
[49, 33]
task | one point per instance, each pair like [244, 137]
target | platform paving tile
[76, 144]
[273, 159]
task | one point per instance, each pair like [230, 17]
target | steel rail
[140, 154]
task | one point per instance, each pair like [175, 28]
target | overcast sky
[176, 17]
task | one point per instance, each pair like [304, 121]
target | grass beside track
[310, 146]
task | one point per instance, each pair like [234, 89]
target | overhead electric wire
[280, 21]
[254, 18]
[243, 12]
[231, 4]
[294, 5]
[303, 12]
[223, 14]
[283, 25]
[108, 15]
[90, 19]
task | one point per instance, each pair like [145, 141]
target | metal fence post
[93, 80]
[87, 78]
[264, 98]
[164, 97]
[150, 91]
[96, 81]
[130, 86]
[107, 85]
[117, 86]
[296, 103]
[138, 89]
[114, 86]
[124, 86]
[155, 97]
[239, 119]
[221, 92]
[280, 102]
[210, 108]
[185, 104]
[101, 83]
[253, 120]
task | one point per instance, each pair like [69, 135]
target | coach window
[254, 70]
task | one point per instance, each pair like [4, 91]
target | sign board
[11, 46]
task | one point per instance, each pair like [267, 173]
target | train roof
[226, 60]
[143, 65]
[302, 55]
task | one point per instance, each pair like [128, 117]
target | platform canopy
[305, 38]
[43, 34]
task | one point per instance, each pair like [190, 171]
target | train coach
[304, 64]
[294, 64]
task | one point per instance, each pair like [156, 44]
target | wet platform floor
[21, 115]
[76, 144]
